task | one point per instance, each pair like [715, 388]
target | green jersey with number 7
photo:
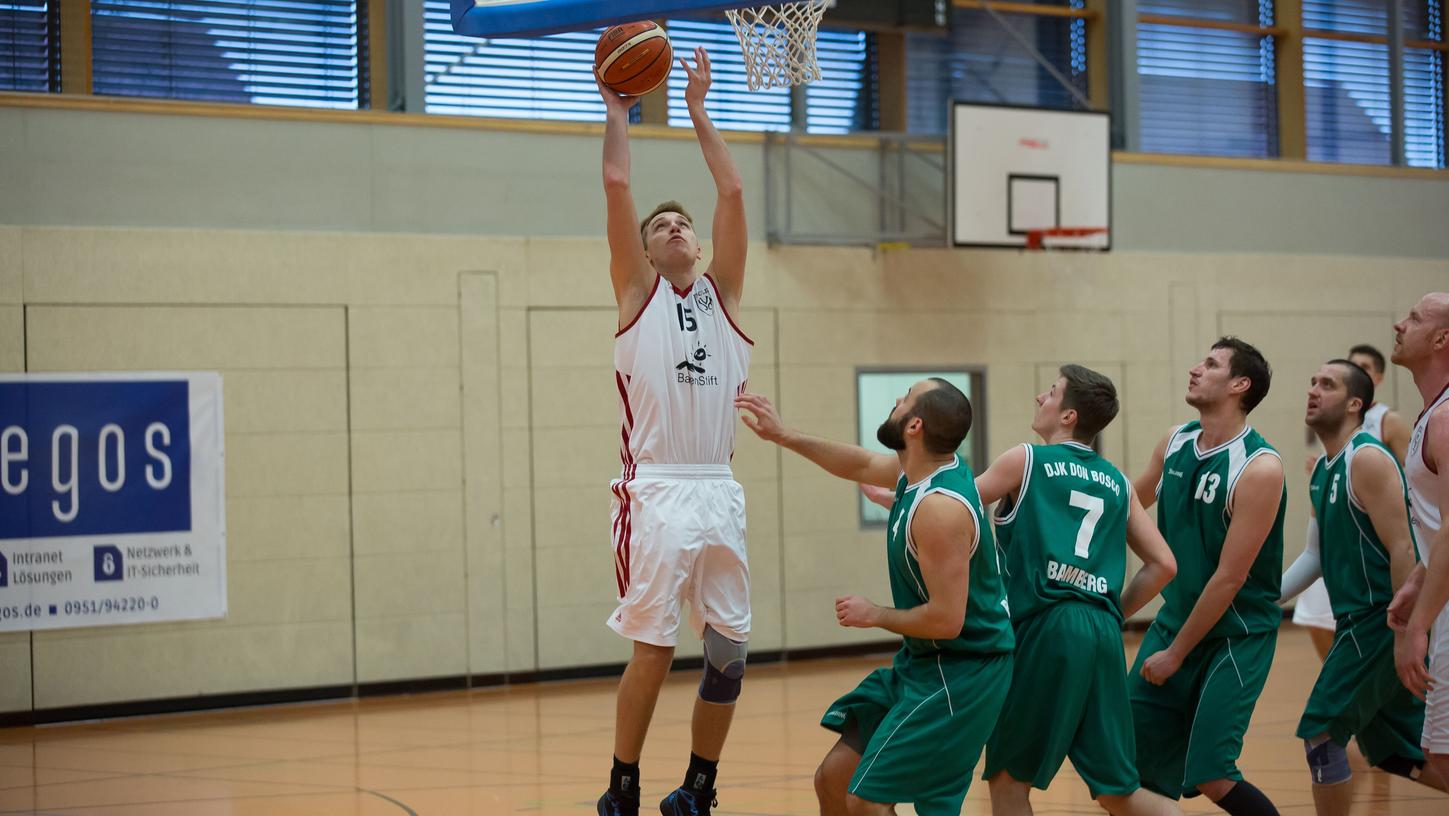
[1065, 534]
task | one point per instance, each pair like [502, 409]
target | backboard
[535, 18]
[1016, 171]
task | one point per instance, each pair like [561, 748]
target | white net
[779, 42]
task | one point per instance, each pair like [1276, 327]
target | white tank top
[679, 366]
[1423, 512]
[1373, 420]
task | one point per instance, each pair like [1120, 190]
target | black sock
[624, 780]
[1245, 800]
[700, 777]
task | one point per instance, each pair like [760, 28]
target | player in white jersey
[678, 515]
[1420, 610]
[1383, 423]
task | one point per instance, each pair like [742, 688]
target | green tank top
[1355, 561]
[1065, 536]
[987, 629]
[1192, 514]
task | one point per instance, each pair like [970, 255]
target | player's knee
[1112, 804]
[1327, 761]
[856, 806]
[1402, 766]
[825, 790]
[724, 668]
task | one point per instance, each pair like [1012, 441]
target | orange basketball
[634, 58]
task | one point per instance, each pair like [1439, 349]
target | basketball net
[778, 42]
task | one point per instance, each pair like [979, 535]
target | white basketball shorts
[1313, 609]
[679, 539]
[1436, 716]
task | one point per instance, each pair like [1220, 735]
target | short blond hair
[668, 206]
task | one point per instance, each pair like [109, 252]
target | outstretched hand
[699, 77]
[883, 496]
[614, 102]
[760, 416]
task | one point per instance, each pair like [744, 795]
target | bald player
[1417, 614]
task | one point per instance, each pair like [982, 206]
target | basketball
[634, 58]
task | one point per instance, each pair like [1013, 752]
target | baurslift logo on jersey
[111, 499]
[692, 371]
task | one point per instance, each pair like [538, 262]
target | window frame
[1279, 34]
[975, 440]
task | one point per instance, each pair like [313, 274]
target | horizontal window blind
[509, 77]
[29, 47]
[1347, 84]
[844, 98]
[978, 62]
[270, 52]
[731, 103]
[1207, 91]
[1259, 12]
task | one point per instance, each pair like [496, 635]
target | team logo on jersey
[704, 302]
[691, 370]
[694, 362]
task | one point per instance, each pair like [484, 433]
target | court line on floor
[409, 810]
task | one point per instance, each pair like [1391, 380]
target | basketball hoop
[778, 42]
[1036, 239]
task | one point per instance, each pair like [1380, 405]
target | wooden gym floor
[543, 750]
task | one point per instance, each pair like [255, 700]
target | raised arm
[1254, 507]
[849, 462]
[1003, 478]
[943, 531]
[629, 268]
[1159, 565]
[730, 238]
[1145, 485]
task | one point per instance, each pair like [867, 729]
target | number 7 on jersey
[1093, 506]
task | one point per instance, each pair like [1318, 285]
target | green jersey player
[912, 732]
[1204, 660]
[1360, 542]
[1065, 519]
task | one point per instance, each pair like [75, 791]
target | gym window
[278, 52]
[876, 392]
[979, 62]
[1207, 77]
[30, 47]
[510, 77]
[1346, 81]
[841, 101]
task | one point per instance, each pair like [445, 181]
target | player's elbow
[730, 188]
[1232, 581]
[1168, 567]
[615, 180]
[947, 623]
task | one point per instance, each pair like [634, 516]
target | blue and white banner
[112, 502]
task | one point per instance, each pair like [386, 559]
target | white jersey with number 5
[679, 365]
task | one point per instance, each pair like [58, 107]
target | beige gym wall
[420, 429]
[421, 419]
